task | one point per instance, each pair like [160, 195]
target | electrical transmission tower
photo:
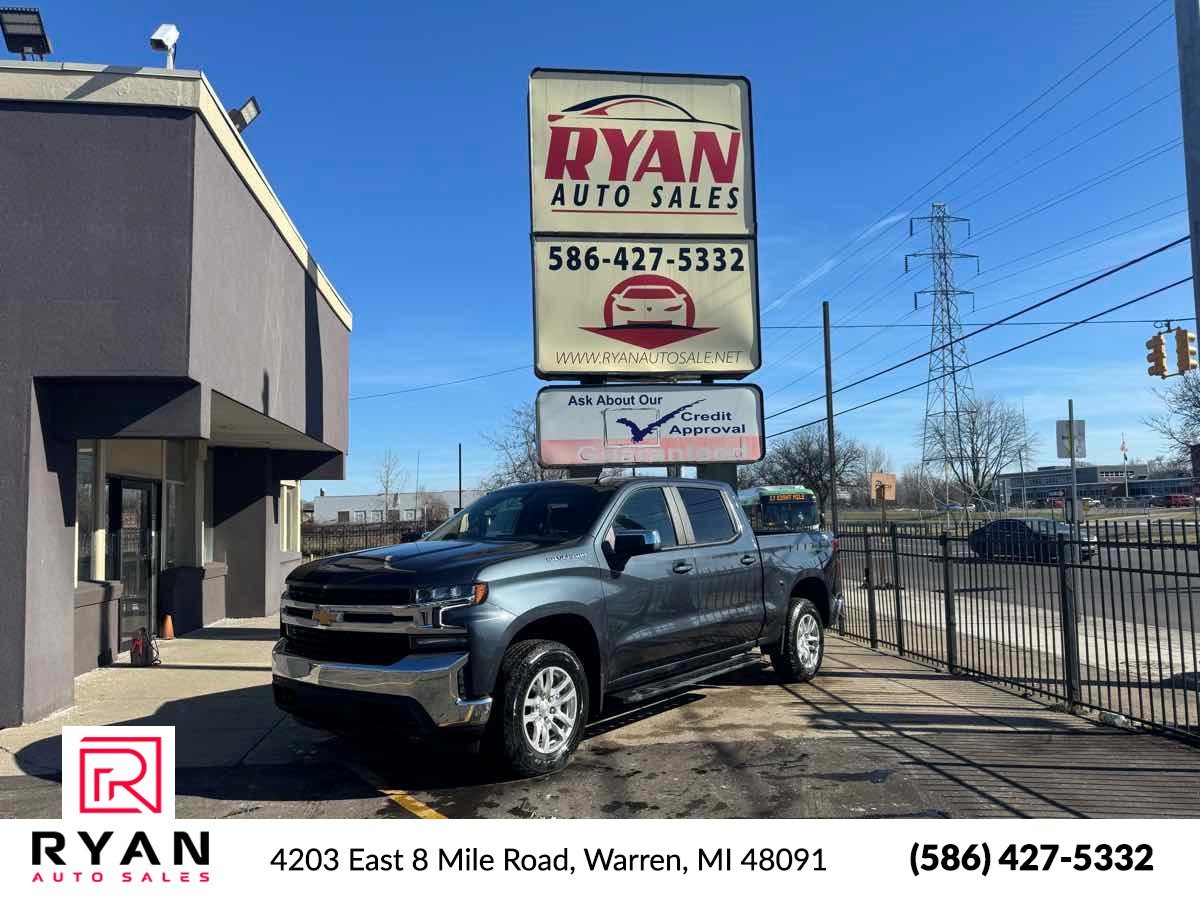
[950, 390]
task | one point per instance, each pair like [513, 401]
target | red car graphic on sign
[649, 311]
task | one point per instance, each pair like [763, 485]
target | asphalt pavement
[873, 735]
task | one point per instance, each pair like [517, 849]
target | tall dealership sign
[643, 225]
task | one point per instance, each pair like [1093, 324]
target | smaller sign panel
[883, 486]
[642, 308]
[649, 424]
[1063, 439]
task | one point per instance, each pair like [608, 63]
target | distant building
[404, 507]
[1097, 481]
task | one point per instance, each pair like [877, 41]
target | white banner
[613, 307]
[635, 153]
[598, 858]
[649, 424]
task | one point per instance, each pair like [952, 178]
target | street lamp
[24, 31]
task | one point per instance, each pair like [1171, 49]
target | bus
[780, 508]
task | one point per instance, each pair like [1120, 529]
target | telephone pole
[950, 388]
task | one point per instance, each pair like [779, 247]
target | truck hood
[425, 563]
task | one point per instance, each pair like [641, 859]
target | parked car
[1179, 500]
[518, 617]
[1033, 539]
[1055, 503]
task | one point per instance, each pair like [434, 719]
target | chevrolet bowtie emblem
[324, 616]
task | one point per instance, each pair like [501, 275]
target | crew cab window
[646, 510]
[710, 517]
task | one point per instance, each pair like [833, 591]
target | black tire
[507, 739]
[790, 667]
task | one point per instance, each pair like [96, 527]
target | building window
[377, 515]
[410, 515]
[179, 505]
[85, 507]
[360, 515]
[343, 515]
[289, 516]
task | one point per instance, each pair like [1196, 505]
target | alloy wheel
[550, 709]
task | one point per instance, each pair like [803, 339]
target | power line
[842, 322]
[441, 384]
[858, 238]
[997, 355]
[1105, 274]
[974, 324]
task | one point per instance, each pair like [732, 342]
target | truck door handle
[748, 559]
[681, 568]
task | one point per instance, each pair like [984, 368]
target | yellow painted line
[400, 798]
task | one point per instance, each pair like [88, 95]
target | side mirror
[628, 544]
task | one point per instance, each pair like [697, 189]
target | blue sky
[395, 134]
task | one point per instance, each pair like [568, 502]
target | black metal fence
[326, 540]
[1105, 620]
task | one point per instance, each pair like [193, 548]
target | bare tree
[874, 459]
[908, 487]
[391, 477]
[991, 437]
[432, 510]
[1179, 422]
[803, 458]
[515, 446]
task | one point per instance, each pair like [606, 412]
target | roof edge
[44, 82]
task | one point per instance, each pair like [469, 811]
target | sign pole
[833, 516]
[1074, 482]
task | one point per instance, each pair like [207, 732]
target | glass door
[133, 533]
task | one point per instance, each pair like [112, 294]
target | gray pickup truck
[521, 615]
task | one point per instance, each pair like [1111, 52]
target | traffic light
[1185, 351]
[1157, 357]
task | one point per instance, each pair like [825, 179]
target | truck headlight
[465, 593]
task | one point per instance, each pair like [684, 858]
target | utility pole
[459, 475]
[417, 489]
[833, 516]
[1187, 39]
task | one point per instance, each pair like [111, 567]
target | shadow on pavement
[280, 760]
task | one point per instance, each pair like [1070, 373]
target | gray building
[402, 506]
[1096, 481]
[172, 363]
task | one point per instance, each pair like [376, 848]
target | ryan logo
[649, 311]
[118, 770]
[641, 155]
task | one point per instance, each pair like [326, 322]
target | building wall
[288, 357]
[326, 509]
[97, 223]
[137, 277]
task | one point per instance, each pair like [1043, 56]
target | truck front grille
[367, 648]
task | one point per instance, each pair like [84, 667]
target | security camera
[164, 38]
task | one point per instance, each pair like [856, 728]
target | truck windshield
[789, 515]
[549, 512]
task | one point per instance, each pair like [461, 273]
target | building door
[133, 544]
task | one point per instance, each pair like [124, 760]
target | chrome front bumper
[430, 679]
